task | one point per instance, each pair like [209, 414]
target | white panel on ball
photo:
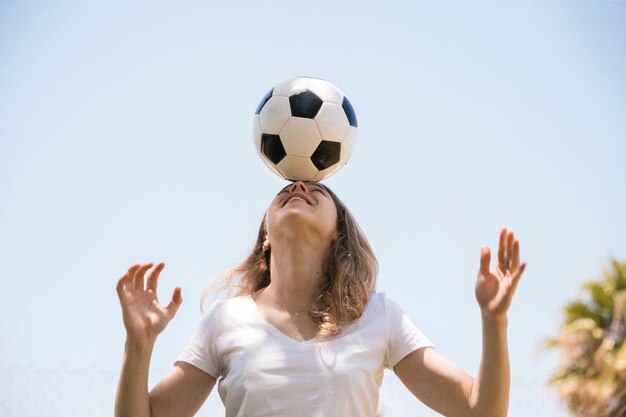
[300, 137]
[347, 145]
[327, 172]
[291, 87]
[297, 168]
[256, 131]
[275, 114]
[332, 122]
[326, 91]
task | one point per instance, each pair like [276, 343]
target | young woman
[306, 333]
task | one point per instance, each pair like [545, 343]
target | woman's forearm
[132, 392]
[490, 390]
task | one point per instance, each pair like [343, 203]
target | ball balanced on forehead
[305, 129]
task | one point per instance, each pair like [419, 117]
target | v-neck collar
[275, 329]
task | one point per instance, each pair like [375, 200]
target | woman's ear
[266, 242]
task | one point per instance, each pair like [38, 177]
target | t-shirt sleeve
[200, 350]
[402, 335]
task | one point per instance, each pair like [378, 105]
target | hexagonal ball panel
[326, 155]
[326, 91]
[272, 147]
[297, 168]
[327, 172]
[332, 122]
[275, 114]
[290, 87]
[305, 104]
[347, 147]
[300, 137]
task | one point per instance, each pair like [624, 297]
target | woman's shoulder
[377, 300]
[375, 306]
[381, 305]
[228, 307]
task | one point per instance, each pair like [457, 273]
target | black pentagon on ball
[347, 107]
[263, 101]
[272, 148]
[305, 104]
[326, 155]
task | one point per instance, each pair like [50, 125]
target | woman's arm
[445, 388]
[448, 390]
[180, 394]
[132, 391]
[490, 390]
[144, 318]
[436, 382]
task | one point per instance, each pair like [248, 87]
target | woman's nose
[298, 186]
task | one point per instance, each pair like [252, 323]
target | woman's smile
[297, 196]
[296, 199]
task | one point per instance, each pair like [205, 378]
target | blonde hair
[349, 274]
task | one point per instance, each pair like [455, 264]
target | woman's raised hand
[494, 289]
[144, 318]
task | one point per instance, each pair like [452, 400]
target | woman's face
[302, 206]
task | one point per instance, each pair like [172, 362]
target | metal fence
[64, 392]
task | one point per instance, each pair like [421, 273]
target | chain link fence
[63, 392]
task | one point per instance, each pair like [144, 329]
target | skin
[298, 234]
[439, 383]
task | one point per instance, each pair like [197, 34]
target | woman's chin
[296, 224]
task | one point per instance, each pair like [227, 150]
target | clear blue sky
[125, 136]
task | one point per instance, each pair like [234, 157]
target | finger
[177, 300]
[515, 258]
[140, 274]
[485, 259]
[502, 247]
[509, 248]
[131, 275]
[516, 278]
[154, 276]
[121, 285]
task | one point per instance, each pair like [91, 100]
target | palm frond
[591, 376]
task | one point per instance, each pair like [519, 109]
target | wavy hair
[349, 274]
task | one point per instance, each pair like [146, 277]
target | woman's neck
[296, 276]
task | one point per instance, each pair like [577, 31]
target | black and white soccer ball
[305, 129]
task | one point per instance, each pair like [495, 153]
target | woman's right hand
[144, 317]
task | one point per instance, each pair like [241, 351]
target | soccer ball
[305, 129]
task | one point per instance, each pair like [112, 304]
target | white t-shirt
[262, 372]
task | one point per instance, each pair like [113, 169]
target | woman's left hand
[494, 289]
